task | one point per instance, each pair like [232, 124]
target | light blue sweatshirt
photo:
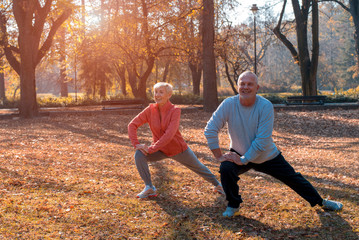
[249, 128]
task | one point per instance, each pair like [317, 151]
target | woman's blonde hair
[169, 88]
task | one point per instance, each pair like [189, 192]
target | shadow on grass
[317, 126]
[333, 226]
[183, 216]
[92, 133]
[24, 181]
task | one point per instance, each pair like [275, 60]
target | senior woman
[164, 118]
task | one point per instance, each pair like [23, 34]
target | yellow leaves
[87, 192]
[16, 182]
[44, 208]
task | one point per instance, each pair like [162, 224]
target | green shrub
[350, 95]
[340, 99]
[187, 98]
[54, 101]
[274, 98]
[10, 103]
[225, 91]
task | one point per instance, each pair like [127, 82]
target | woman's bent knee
[139, 156]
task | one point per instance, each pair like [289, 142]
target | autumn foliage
[74, 177]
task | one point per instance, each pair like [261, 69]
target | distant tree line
[121, 48]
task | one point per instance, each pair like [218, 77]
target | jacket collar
[165, 107]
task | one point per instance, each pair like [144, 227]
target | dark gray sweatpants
[186, 158]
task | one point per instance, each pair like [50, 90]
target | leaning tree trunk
[308, 64]
[232, 83]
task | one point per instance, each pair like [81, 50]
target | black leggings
[278, 168]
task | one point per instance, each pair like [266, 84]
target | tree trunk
[2, 81]
[210, 97]
[102, 79]
[63, 84]
[121, 71]
[132, 80]
[102, 88]
[232, 83]
[28, 51]
[196, 72]
[308, 66]
[30, 17]
[64, 92]
[165, 73]
[315, 49]
[28, 105]
[144, 77]
[354, 11]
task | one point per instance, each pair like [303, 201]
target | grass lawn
[73, 177]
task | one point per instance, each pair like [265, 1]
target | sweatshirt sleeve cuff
[151, 150]
[244, 160]
[135, 143]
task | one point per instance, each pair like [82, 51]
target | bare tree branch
[282, 37]
[8, 49]
[338, 2]
[47, 44]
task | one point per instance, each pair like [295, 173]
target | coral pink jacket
[165, 133]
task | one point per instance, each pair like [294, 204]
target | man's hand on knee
[233, 157]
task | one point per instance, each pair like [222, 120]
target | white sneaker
[148, 192]
[332, 205]
[230, 212]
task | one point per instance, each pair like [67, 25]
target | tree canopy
[121, 48]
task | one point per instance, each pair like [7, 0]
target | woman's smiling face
[161, 95]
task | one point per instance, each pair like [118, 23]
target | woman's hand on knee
[143, 148]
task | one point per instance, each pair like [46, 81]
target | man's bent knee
[226, 166]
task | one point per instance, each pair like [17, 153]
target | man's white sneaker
[230, 212]
[332, 205]
[148, 192]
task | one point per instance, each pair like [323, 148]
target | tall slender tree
[2, 79]
[62, 79]
[210, 96]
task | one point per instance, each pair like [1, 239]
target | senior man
[250, 119]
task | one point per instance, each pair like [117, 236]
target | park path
[98, 109]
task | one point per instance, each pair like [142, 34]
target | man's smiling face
[248, 87]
